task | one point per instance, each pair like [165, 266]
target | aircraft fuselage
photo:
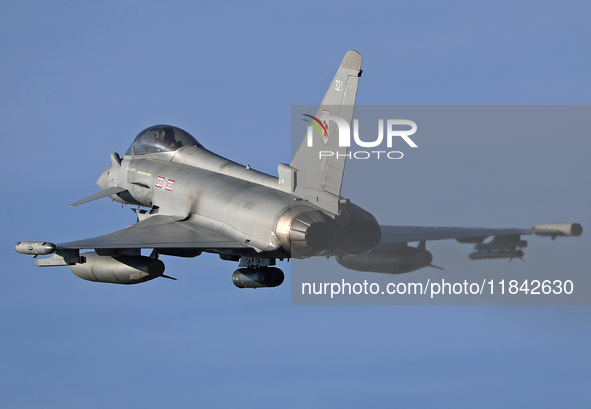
[247, 206]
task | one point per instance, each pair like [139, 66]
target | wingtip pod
[559, 229]
[35, 248]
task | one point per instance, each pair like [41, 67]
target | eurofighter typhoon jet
[190, 200]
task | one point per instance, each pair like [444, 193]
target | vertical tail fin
[315, 172]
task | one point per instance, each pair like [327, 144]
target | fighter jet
[190, 200]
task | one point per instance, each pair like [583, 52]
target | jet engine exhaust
[358, 232]
[305, 232]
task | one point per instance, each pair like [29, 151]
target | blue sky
[80, 80]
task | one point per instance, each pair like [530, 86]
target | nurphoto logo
[322, 126]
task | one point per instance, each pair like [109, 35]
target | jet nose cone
[103, 180]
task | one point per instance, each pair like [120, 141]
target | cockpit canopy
[160, 138]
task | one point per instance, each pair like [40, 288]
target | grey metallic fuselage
[213, 192]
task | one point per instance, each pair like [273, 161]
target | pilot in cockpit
[160, 138]
[165, 140]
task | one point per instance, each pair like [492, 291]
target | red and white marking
[325, 136]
